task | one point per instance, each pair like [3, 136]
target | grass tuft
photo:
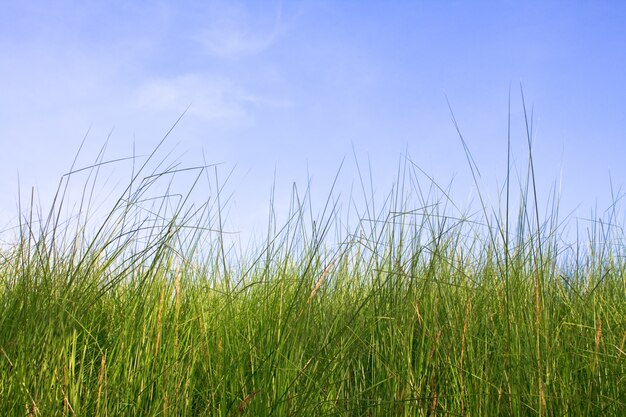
[419, 309]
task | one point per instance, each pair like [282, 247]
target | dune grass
[418, 310]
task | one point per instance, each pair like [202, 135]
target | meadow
[413, 308]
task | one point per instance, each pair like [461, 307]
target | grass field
[417, 310]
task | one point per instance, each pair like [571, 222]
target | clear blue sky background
[294, 85]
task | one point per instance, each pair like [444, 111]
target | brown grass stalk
[321, 279]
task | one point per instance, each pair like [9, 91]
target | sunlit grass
[419, 310]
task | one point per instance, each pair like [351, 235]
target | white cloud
[233, 33]
[210, 98]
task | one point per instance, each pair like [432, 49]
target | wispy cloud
[232, 31]
[211, 98]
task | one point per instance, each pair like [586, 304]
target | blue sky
[293, 86]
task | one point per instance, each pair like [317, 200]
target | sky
[284, 91]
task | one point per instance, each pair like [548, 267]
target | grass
[418, 310]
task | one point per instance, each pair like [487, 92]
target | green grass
[418, 310]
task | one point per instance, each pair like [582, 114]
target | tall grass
[418, 310]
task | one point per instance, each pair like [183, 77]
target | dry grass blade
[321, 279]
[245, 403]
